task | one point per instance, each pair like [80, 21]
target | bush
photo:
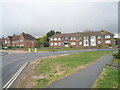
[9, 47]
[110, 45]
[117, 55]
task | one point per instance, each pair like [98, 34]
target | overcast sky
[40, 17]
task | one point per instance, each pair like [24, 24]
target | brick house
[22, 40]
[89, 38]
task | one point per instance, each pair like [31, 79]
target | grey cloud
[39, 18]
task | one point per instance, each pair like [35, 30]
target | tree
[58, 32]
[38, 43]
[50, 33]
[44, 41]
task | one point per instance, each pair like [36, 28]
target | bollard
[35, 49]
[29, 50]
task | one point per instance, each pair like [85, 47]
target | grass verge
[58, 67]
[108, 78]
[116, 60]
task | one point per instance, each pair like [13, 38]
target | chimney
[13, 35]
[23, 33]
[102, 31]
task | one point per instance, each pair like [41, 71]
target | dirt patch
[29, 76]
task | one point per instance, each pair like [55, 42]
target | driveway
[12, 62]
[84, 78]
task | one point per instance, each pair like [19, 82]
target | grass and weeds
[116, 60]
[116, 57]
[58, 67]
[108, 79]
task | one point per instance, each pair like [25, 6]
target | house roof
[16, 37]
[87, 33]
[28, 36]
[10, 37]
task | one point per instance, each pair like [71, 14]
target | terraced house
[22, 40]
[88, 38]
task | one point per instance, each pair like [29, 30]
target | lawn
[108, 79]
[57, 67]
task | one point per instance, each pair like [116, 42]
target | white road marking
[9, 83]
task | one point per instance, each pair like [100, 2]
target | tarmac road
[12, 62]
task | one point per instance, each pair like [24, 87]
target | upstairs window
[80, 38]
[86, 38]
[72, 38]
[51, 39]
[107, 36]
[99, 37]
[55, 39]
[59, 39]
[21, 40]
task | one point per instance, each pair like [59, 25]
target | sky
[38, 18]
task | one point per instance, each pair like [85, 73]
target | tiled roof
[87, 33]
[10, 37]
[16, 37]
[28, 37]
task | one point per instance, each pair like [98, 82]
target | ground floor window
[80, 43]
[55, 44]
[107, 41]
[59, 44]
[51, 44]
[73, 43]
[99, 42]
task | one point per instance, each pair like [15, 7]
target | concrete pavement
[84, 78]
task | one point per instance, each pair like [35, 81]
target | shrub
[117, 55]
[9, 47]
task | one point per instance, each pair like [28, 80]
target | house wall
[85, 39]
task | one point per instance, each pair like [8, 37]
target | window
[21, 45]
[72, 38]
[73, 43]
[99, 42]
[59, 44]
[86, 38]
[92, 42]
[107, 41]
[92, 37]
[59, 39]
[80, 43]
[99, 37]
[51, 44]
[5, 41]
[80, 38]
[55, 39]
[107, 36]
[21, 40]
[55, 44]
[51, 39]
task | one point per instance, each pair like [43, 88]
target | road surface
[12, 62]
